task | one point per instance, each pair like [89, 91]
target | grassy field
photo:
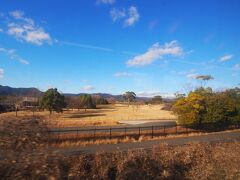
[103, 115]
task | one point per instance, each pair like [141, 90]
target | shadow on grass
[82, 111]
[89, 111]
[105, 107]
[84, 115]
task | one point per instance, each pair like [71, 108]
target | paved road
[158, 124]
[210, 138]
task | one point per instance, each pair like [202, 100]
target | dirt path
[209, 138]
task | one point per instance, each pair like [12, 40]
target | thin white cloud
[192, 75]
[129, 53]
[117, 14]
[226, 58]
[205, 65]
[87, 46]
[155, 93]
[88, 88]
[133, 16]
[190, 51]
[129, 17]
[84, 80]
[1, 73]
[1, 30]
[67, 81]
[174, 26]
[1, 15]
[17, 14]
[105, 1]
[24, 29]
[23, 61]
[235, 74]
[11, 53]
[152, 24]
[122, 74]
[188, 74]
[208, 38]
[236, 67]
[156, 52]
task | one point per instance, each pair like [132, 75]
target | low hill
[10, 91]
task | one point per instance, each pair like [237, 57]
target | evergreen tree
[53, 101]
[86, 101]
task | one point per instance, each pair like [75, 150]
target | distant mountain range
[104, 95]
[108, 96]
[34, 92]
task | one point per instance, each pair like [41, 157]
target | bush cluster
[203, 106]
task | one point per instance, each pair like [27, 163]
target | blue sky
[155, 47]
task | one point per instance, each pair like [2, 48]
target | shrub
[206, 107]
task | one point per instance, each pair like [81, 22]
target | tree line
[52, 100]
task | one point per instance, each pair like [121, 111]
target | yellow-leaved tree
[190, 109]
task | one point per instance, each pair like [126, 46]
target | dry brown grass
[194, 161]
[22, 135]
[70, 144]
[74, 141]
[69, 141]
[83, 139]
[22, 156]
[104, 115]
[64, 143]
